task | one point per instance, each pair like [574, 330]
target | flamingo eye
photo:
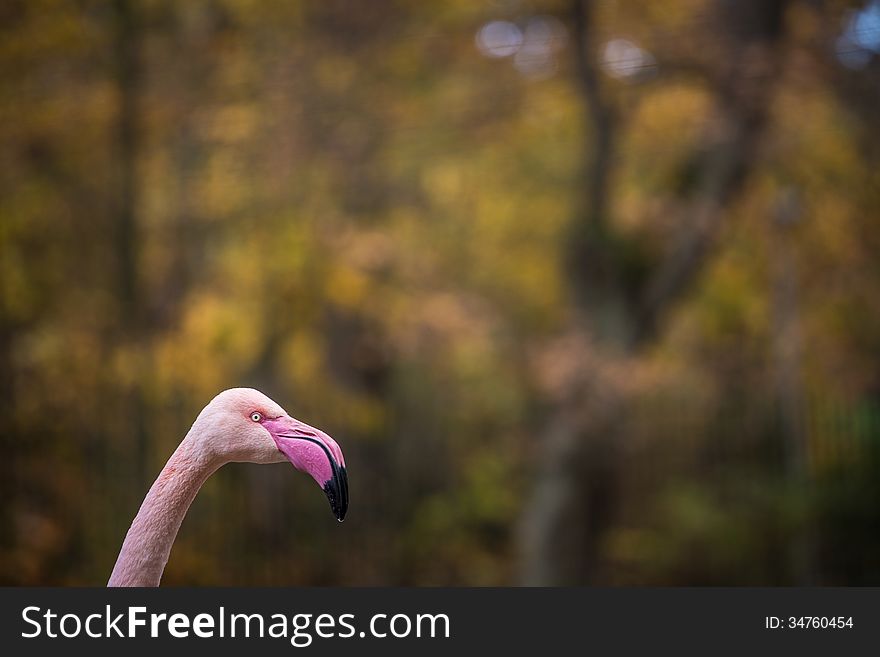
[256, 417]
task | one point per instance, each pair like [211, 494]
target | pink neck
[148, 543]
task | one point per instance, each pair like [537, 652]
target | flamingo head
[244, 425]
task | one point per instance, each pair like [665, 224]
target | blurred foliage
[353, 208]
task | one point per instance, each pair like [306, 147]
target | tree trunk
[131, 304]
[573, 501]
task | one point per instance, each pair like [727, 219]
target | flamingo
[238, 425]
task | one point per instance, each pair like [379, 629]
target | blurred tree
[621, 300]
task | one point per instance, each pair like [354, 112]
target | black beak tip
[336, 490]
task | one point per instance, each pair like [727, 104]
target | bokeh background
[586, 289]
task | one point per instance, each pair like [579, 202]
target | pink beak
[312, 451]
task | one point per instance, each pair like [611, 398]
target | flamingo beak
[312, 451]
[337, 493]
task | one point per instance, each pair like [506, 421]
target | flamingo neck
[148, 542]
